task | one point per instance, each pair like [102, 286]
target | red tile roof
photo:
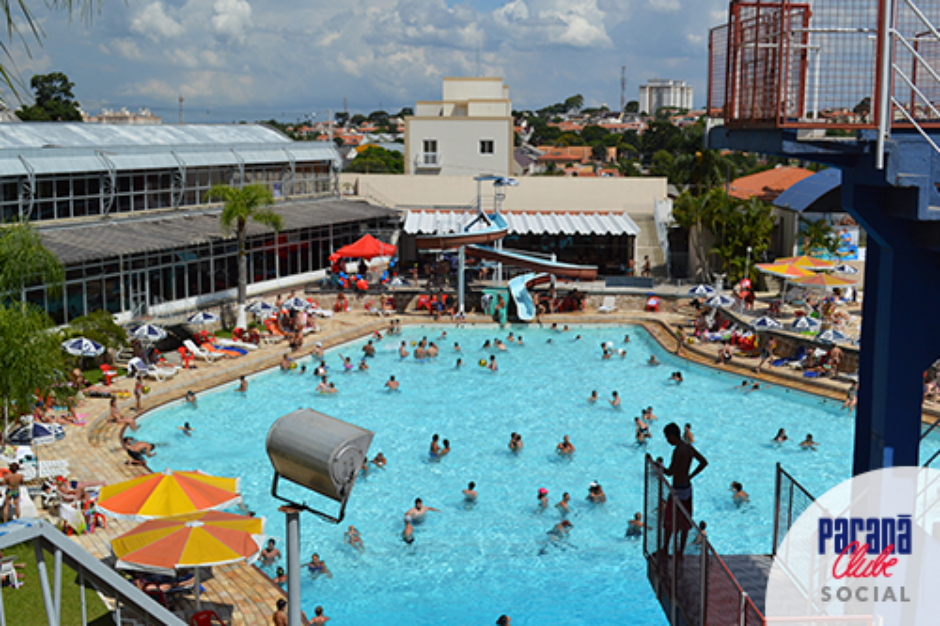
[769, 184]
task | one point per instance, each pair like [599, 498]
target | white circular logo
[866, 549]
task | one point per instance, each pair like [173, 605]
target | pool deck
[242, 594]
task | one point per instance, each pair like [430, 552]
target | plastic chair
[205, 618]
[108, 373]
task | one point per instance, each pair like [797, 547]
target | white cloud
[666, 6]
[153, 22]
[127, 48]
[232, 18]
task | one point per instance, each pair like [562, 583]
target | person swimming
[653, 360]
[635, 526]
[738, 494]
[593, 397]
[186, 428]
[781, 436]
[808, 443]
[677, 377]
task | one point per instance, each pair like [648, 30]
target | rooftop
[767, 185]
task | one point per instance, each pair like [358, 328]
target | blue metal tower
[856, 86]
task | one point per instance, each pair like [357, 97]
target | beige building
[467, 133]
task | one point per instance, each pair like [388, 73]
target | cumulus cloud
[666, 6]
[232, 18]
[127, 48]
[153, 22]
[575, 23]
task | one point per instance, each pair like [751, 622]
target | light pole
[747, 265]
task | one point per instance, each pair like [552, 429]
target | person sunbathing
[116, 416]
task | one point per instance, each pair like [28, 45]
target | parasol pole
[198, 602]
[462, 258]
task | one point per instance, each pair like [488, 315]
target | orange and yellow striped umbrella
[783, 270]
[822, 281]
[168, 493]
[193, 540]
[808, 262]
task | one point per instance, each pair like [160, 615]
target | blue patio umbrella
[261, 308]
[37, 434]
[806, 324]
[702, 291]
[766, 323]
[203, 317]
[82, 347]
[720, 302]
[296, 304]
[833, 336]
[845, 268]
[149, 332]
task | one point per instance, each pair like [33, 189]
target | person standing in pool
[418, 511]
[435, 451]
[492, 366]
[679, 468]
[543, 498]
[515, 442]
[687, 435]
[392, 384]
[593, 397]
[470, 494]
[242, 384]
[851, 397]
[808, 443]
[565, 448]
[615, 400]
[563, 504]
[781, 436]
[402, 350]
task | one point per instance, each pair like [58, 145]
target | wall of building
[472, 88]
[458, 145]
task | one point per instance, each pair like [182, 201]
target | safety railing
[689, 577]
[833, 64]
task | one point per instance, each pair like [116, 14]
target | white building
[468, 133]
[122, 116]
[661, 92]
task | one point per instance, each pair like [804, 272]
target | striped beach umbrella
[720, 302]
[203, 317]
[845, 268]
[296, 304]
[82, 347]
[766, 323]
[783, 270]
[168, 493]
[149, 332]
[822, 281]
[808, 262]
[833, 336]
[806, 324]
[261, 308]
[702, 291]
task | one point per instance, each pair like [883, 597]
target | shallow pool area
[469, 564]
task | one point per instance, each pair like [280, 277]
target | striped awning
[526, 223]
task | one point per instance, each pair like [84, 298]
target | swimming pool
[469, 565]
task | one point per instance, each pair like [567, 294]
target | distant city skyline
[235, 60]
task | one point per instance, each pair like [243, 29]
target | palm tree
[242, 205]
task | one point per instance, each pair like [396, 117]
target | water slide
[495, 229]
[519, 288]
[534, 264]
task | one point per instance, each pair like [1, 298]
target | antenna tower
[623, 87]
[181, 108]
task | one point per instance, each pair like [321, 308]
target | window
[430, 146]
[486, 146]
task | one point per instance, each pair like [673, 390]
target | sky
[238, 60]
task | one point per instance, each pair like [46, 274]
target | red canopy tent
[366, 248]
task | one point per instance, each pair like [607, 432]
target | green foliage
[405, 112]
[661, 164]
[25, 604]
[632, 107]
[32, 357]
[594, 133]
[341, 117]
[378, 160]
[378, 116]
[734, 224]
[818, 237]
[574, 102]
[55, 101]
[24, 261]
[98, 326]
[700, 170]
[249, 203]
[358, 119]
[569, 139]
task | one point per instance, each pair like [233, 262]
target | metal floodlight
[318, 452]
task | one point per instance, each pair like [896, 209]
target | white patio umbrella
[82, 347]
[149, 332]
[806, 324]
[720, 302]
[261, 308]
[845, 268]
[833, 336]
[766, 323]
[296, 304]
[702, 291]
[203, 317]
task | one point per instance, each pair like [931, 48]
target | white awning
[587, 223]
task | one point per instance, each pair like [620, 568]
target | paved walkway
[241, 593]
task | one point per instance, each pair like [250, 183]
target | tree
[241, 206]
[341, 117]
[24, 260]
[632, 107]
[378, 160]
[574, 102]
[863, 109]
[358, 119]
[55, 101]
[818, 237]
[31, 360]
[661, 164]
[405, 112]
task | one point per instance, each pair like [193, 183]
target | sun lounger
[229, 352]
[609, 305]
[45, 469]
[798, 356]
[205, 356]
[244, 345]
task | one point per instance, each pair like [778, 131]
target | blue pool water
[468, 566]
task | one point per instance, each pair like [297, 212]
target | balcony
[428, 160]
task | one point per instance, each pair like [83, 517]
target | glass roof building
[123, 208]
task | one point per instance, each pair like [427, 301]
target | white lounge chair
[209, 357]
[8, 570]
[609, 305]
[156, 372]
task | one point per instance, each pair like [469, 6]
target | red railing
[822, 63]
